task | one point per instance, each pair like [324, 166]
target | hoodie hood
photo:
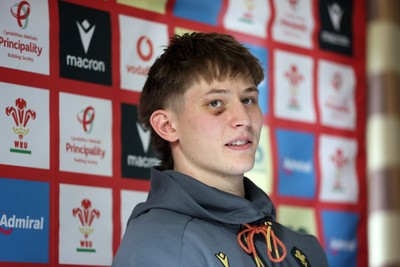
[174, 191]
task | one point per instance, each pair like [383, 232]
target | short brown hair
[188, 58]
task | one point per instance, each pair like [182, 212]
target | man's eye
[248, 101]
[215, 103]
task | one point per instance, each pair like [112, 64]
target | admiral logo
[336, 26]
[340, 162]
[295, 78]
[145, 50]
[291, 165]
[21, 116]
[86, 216]
[85, 44]
[337, 245]
[9, 223]
[21, 12]
[136, 150]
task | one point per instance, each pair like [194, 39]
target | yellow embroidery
[223, 259]
[259, 262]
[301, 257]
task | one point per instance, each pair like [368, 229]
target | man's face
[218, 129]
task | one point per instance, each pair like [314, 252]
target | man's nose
[240, 116]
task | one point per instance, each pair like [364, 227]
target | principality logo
[337, 81]
[21, 12]
[86, 118]
[340, 162]
[21, 117]
[294, 77]
[86, 216]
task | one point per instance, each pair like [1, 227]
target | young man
[200, 102]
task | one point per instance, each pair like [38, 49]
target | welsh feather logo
[248, 15]
[341, 163]
[21, 116]
[294, 77]
[86, 118]
[21, 12]
[86, 216]
[293, 4]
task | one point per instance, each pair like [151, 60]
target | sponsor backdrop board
[74, 161]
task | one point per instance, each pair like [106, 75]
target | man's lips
[239, 142]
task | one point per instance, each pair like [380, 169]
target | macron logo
[86, 33]
[335, 14]
[144, 137]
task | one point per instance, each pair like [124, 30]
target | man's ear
[162, 124]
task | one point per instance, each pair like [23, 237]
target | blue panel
[296, 164]
[24, 221]
[205, 11]
[340, 235]
[262, 54]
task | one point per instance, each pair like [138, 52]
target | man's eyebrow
[251, 89]
[225, 91]
[217, 91]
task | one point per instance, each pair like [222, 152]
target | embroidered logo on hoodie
[223, 259]
[300, 257]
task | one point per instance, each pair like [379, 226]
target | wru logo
[86, 216]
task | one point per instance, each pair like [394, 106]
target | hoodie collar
[183, 194]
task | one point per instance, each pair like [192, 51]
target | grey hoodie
[185, 223]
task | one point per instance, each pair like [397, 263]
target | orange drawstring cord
[266, 230]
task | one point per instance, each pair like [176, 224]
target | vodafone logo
[144, 48]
